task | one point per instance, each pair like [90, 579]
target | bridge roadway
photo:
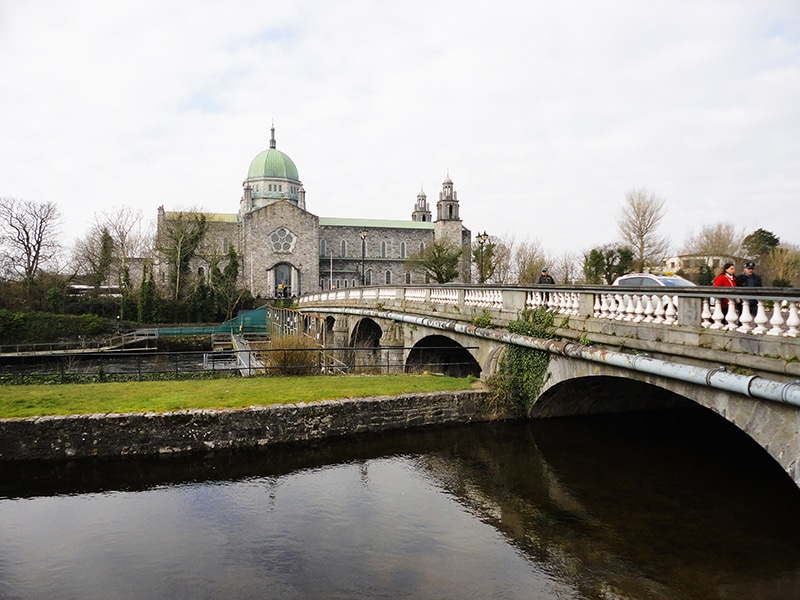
[634, 348]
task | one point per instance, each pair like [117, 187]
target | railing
[128, 366]
[754, 311]
[117, 341]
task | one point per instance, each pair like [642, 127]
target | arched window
[402, 249]
[422, 246]
[201, 272]
[383, 249]
[369, 277]
[388, 278]
[344, 247]
[322, 248]
[345, 283]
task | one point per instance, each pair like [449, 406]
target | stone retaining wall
[203, 430]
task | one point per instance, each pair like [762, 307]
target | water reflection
[665, 505]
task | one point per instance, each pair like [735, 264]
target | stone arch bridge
[662, 349]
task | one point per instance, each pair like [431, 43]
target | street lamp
[481, 238]
[363, 236]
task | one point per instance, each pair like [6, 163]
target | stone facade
[285, 250]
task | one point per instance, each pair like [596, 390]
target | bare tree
[127, 229]
[720, 239]
[179, 241]
[781, 266]
[93, 257]
[503, 251]
[529, 258]
[638, 227]
[568, 266]
[30, 237]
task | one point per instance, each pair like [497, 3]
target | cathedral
[285, 250]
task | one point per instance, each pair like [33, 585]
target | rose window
[282, 240]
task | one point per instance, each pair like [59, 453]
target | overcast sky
[544, 113]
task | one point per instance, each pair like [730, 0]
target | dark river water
[663, 505]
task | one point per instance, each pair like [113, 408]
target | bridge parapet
[641, 319]
[759, 311]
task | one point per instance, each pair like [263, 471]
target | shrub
[41, 327]
[291, 355]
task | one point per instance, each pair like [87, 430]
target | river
[661, 505]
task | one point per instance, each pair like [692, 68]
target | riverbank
[19, 401]
[204, 430]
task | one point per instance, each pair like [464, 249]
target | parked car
[648, 280]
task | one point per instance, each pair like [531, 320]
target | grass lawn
[161, 396]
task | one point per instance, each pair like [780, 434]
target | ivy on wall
[522, 371]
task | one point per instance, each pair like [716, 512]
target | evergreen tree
[148, 298]
[224, 283]
[439, 261]
[759, 243]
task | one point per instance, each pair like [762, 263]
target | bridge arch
[769, 424]
[440, 354]
[366, 334]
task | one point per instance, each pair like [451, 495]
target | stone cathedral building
[285, 250]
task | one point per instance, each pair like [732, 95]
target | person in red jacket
[726, 279]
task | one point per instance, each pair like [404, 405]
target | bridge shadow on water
[659, 504]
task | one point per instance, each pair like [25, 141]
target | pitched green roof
[374, 223]
[213, 217]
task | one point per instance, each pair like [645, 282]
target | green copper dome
[272, 163]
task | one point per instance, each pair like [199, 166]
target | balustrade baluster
[731, 316]
[745, 318]
[605, 306]
[553, 301]
[670, 312]
[630, 307]
[777, 320]
[793, 322]
[639, 311]
[705, 314]
[618, 310]
[648, 308]
[576, 304]
[660, 309]
[718, 315]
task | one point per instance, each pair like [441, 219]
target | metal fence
[153, 365]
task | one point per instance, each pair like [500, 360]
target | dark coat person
[749, 278]
[545, 277]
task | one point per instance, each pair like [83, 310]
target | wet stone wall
[203, 430]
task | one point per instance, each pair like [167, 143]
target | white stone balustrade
[775, 315]
[488, 298]
[444, 296]
[772, 317]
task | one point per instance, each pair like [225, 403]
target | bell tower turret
[422, 211]
[448, 230]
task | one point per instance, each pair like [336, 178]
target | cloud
[544, 114]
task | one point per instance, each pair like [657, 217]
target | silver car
[648, 280]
